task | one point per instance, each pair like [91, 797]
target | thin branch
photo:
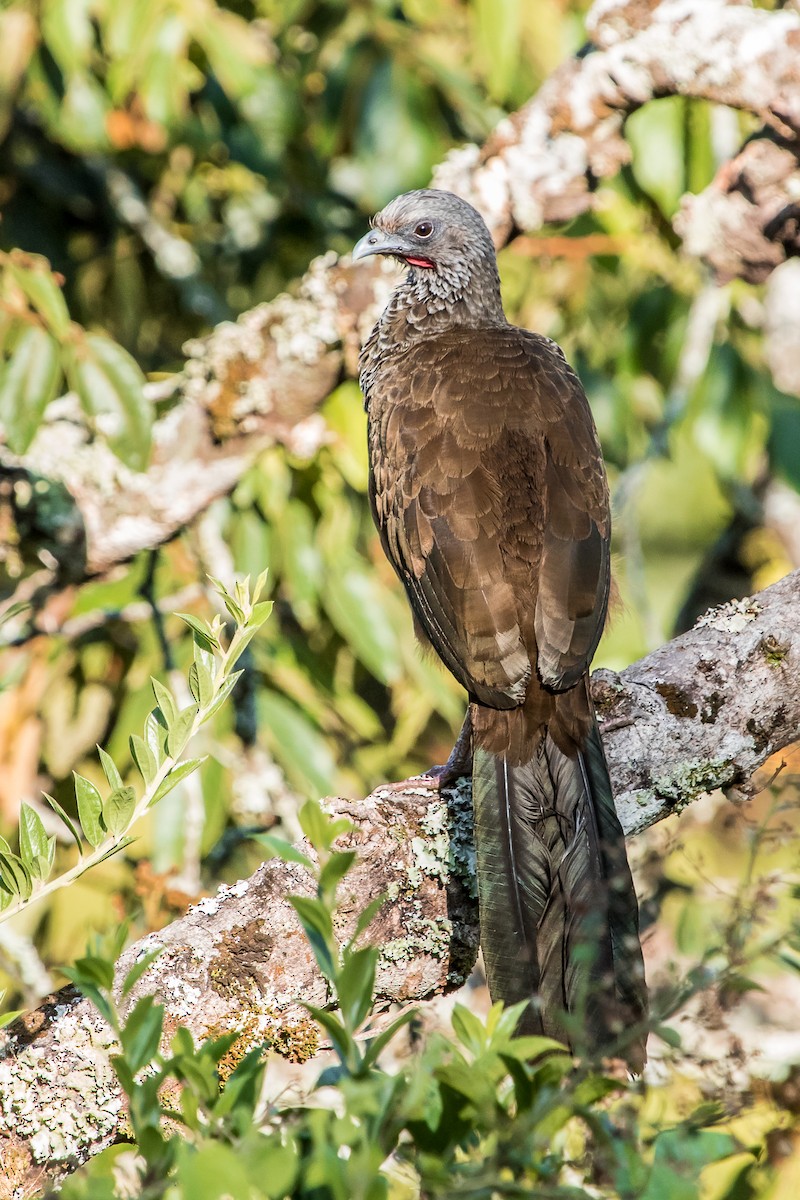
[702, 712]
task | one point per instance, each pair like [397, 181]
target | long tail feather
[559, 919]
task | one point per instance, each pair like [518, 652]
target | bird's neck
[423, 306]
[427, 303]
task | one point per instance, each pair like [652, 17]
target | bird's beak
[378, 242]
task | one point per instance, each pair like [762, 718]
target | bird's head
[445, 242]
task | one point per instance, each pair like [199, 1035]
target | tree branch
[702, 712]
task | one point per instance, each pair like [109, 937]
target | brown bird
[489, 493]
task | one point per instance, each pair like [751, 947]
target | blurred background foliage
[176, 162]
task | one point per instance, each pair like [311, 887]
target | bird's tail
[559, 918]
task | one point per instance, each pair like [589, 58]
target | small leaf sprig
[105, 821]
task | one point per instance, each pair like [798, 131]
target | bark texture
[703, 712]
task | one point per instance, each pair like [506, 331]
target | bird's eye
[424, 229]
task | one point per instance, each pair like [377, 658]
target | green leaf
[141, 1033]
[283, 849]
[70, 824]
[143, 757]
[223, 693]
[109, 769]
[155, 737]
[320, 827]
[174, 777]
[29, 380]
[354, 985]
[234, 609]
[261, 612]
[165, 701]
[335, 869]
[378, 1044]
[336, 1031]
[108, 380]
[15, 877]
[90, 809]
[33, 843]
[92, 993]
[201, 684]
[138, 969]
[316, 922]
[7, 1017]
[469, 1030]
[118, 810]
[181, 730]
[211, 1170]
[201, 631]
[43, 291]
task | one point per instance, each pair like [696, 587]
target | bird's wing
[574, 569]
[474, 486]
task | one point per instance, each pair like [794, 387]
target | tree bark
[261, 380]
[702, 712]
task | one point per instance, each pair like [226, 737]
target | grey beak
[376, 242]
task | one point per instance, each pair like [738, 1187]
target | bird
[489, 493]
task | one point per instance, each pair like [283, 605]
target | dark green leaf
[109, 380]
[354, 985]
[335, 870]
[336, 1031]
[469, 1030]
[141, 1033]
[155, 736]
[367, 916]
[316, 921]
[42, 289]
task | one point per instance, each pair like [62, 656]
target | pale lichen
[730, 618]
[74, 1072]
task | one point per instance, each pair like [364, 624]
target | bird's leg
[459, 764]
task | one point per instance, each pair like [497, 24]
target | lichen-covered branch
[262, 379]
[747, 221]
[700, 713]
[542, 164]
[705, 710]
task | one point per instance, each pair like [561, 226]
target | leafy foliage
[105, 822]
[480, 1112]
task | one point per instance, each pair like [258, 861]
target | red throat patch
[419, 262]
